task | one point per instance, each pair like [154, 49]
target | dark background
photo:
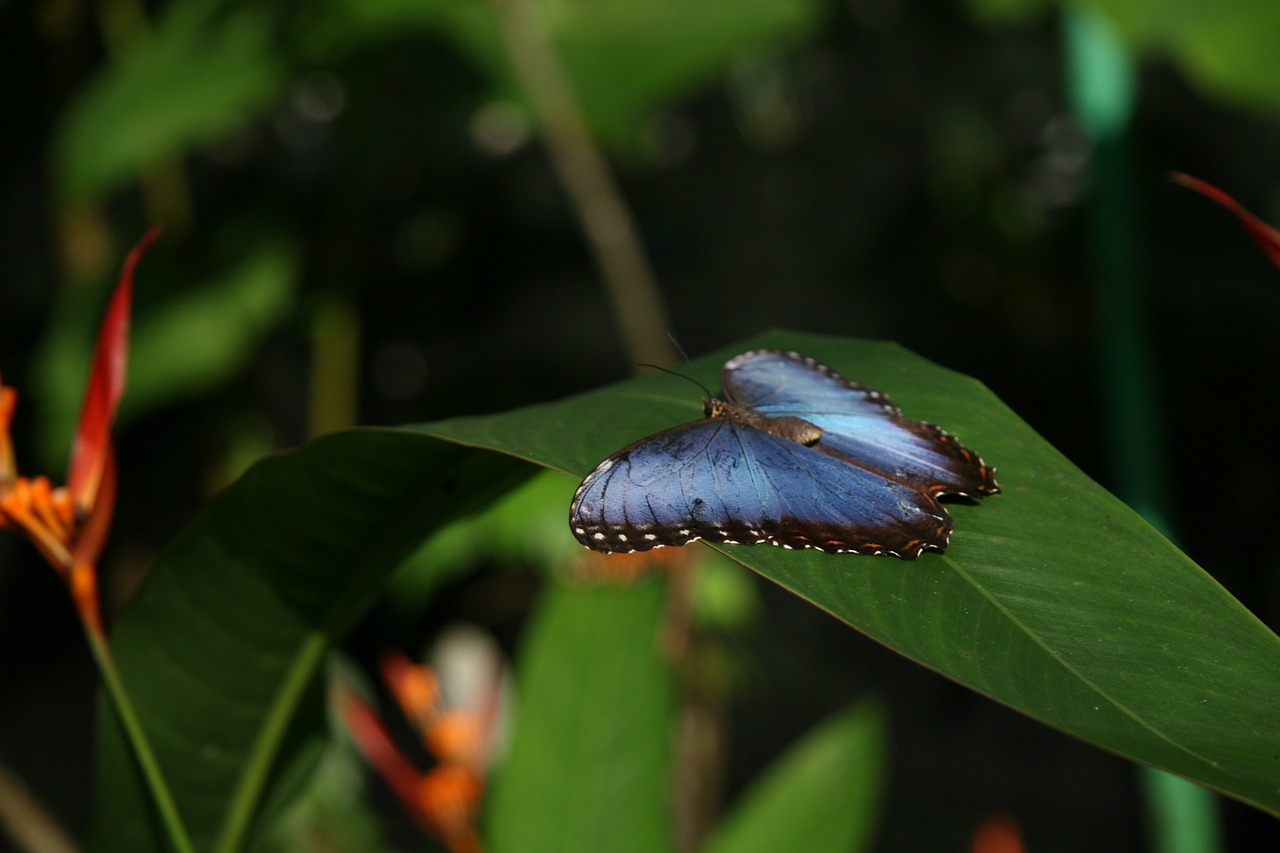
[903, 171]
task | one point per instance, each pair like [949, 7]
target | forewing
[719, 481]
[859, 424]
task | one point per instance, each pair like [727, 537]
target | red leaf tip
[106, 385]
[1263, 234]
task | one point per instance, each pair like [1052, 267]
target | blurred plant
[69, 524]
[445, 799]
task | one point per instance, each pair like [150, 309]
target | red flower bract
[1262, 233]
[92, 448]
[445, 798]
[69, 525]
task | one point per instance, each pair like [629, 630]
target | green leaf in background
[590, 762]
[203, 70]
[198, 337]
[624, 57]
[228, 632]
[1054, 598]
[203, 335]
[523, 527]
[823, 795]
[1228, 49]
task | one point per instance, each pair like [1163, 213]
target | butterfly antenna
[675, 343]
[704, 388]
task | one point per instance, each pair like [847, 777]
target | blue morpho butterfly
[795, 455]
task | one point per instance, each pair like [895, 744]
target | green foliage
[203, 335]
[331, 811]
[199, 73]
[234, 622]
[1228, 49]
[521, 527]
[1054, 598]
[822, 796]
[723, 598]
[624, 58]
[208, 67]
[1005, 11]
[590, 761]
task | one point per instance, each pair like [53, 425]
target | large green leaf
[821, 797]
[1054, 598]
[590, 761]
[226, 635]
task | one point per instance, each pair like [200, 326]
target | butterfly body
[794, 456]
[788, 427]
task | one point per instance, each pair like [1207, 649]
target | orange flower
[1262, 233]
[449, 797]
[444, 800]
[69, 524]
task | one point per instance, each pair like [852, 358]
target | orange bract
[448, 797]
[8, 468]
[45, 514]
[445, 799]
[69, 525]
[454, 737]
[416, 688]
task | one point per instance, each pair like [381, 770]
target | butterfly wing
[859, 424]
[724, 482]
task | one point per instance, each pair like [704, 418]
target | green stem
[247, 796]
[142, 751]
[607, 223]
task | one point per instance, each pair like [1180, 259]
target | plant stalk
[142, 751]
[583, 171]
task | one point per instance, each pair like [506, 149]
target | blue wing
[719, 480]
[859, 425]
